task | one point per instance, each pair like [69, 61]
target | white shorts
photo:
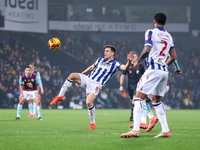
[29, 94]
[167, 89]
[90, 85]
[153, 82]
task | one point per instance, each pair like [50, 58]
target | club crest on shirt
[137, 71]
[96, 89]
[32, 80]
[30, 85]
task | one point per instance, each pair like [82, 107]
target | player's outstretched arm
[128, 64]
[89, 69]
[143, 55]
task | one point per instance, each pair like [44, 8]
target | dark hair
[113, 49]
[160, 18]
[31, 63]
[27, 66]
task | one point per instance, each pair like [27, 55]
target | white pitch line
[153, 134]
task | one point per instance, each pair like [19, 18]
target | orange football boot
[92, 126]
[168, 134]
[130, 134]
[142, 125]
[57, 99]
[152, 123]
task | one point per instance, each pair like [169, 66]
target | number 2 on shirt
[164, 48]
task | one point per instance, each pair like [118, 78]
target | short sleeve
[148, 40]
[172, 45]
[37, 80]
[118, 64]
[124, 72]
[20, 80]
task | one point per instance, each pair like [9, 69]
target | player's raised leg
[91, 110]
[73, 77]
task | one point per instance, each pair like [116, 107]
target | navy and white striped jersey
[160, 42]
[104, 70]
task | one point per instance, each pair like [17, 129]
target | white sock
[138, 108]
[160, 111]
[65, 87]
[91, 111]
[144, 119]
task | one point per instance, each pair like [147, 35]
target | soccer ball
[54, 43]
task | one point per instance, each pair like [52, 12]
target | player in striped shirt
[158, 44]
[100, 73]
[146, 107]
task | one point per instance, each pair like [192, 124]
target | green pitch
[68, 130]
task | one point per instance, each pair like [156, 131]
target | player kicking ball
[100, 73]
[29, 89]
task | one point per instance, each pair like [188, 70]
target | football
[54, 43]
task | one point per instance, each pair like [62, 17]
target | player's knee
[72, 76]
[30, 101]
[37, 102]
[21, 102]
[89, 104]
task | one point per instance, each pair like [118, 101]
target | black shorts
[131, 92]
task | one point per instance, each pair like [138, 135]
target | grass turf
[68, 129]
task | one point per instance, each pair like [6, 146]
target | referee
[133, 78]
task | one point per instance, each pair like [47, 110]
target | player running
[32, 103]
[101, 71]
[158, 43]
[29, 89]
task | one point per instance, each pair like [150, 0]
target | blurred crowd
[184, 89]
